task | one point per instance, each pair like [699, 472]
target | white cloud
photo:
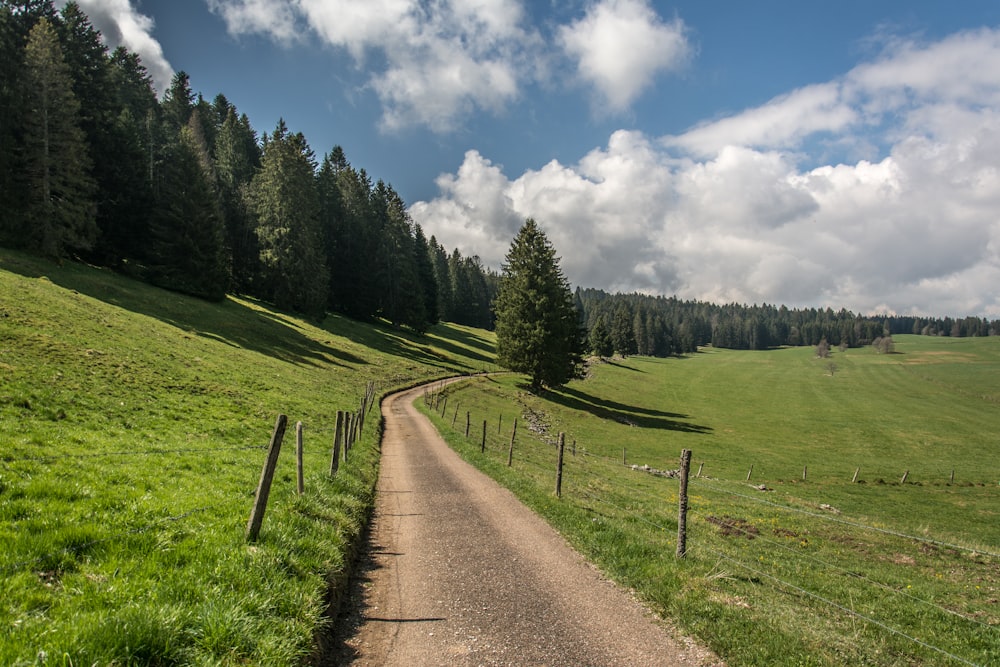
[727, 212]
[436, 62]
[621, 45]
[122, 25]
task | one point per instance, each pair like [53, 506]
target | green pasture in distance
[822, 571]
[133, 427]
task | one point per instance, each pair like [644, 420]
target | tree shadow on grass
[238, 323]
[624, 414]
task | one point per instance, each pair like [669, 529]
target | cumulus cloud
[122, 25]
[435, 63]
[621, 45]
[734, 211]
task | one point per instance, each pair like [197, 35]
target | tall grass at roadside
[133, 424]
[822, 571]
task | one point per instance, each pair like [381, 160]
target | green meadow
[802, 564]
[133, 429]
[134, 422]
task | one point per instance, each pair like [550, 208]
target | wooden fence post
[483, 448]
[682, 504]
[335, 459]
[468, 422]
[347, 434]
[855, 478]
[510, 452]
[750, 473]
[444, 406]
[298, 459]
[499, 423]
[905, 475]
[573, 448]
[266, 475]
[700, 468]
[455, 417]
[559, 464]
[624, 460]
[805, 470]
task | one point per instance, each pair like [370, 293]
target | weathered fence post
[300, 487]
[700, 468]
[510, 452]
[468, 422]
[682, 504]
[444, 406]
[455, 417]
[750, 473]
[624, 461]
[855, 478]
[499, 423]
[952, 476]
[335, 459]
[905, 475]
[347, 434]
[266, 475]
[805, 471]
[483, 448]
[559, 464]
[573, 448]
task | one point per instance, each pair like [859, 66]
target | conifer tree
[285, 201]
[186, 249]
[537, 325]
[60, 211]
[426, 275]
[237, 156]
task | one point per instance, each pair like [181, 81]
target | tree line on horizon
[660, 326]
[183, 193]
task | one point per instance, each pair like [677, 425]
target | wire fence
[646, 498]
[36, 469]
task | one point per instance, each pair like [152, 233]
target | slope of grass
[133, 423]
[817, 571]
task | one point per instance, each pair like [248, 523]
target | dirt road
[461, 573]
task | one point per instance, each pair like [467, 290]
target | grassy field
[133, 423]
[814, 571]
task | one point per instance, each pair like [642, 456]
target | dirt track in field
[459, 572]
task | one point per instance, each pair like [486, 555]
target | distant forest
[664, 326]
[184, 193]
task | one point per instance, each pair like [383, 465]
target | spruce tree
[284, 198]
[186, 250]
[60, 210]
[537, 325]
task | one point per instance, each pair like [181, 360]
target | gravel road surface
[459, 572]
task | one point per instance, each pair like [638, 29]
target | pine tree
[426, 275]
[60, 211]
[285, 201]
[186, 249]
[536, 322]
[237, 156]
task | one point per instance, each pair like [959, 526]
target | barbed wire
[836, 605]
[143, 452]
[857, 575]
[13, 567]
[855, 524]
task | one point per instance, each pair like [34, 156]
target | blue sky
[809, 154]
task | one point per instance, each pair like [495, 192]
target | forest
[184, 193]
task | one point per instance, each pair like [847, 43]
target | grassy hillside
[817, 571]
[133, 423]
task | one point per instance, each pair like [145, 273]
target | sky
[842, 155]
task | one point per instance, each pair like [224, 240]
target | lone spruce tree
[537, 326]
